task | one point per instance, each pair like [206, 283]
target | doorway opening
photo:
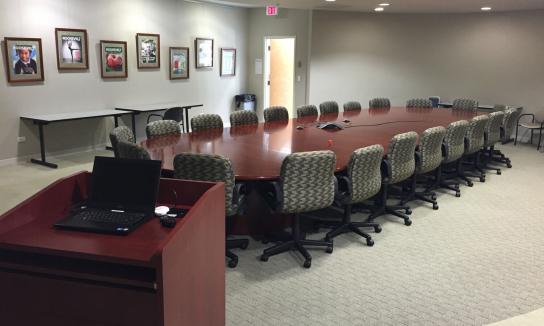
[279, 72]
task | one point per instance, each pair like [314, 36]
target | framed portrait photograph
[204, 52]
[113, 59]
[24, 62]
[148, 50]
[72, 49]
[228, 62]
[179, 63]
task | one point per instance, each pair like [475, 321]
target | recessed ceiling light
[385, 4]
[486, 8]
[330, 0]
[378, 9]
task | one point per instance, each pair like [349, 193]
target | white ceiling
[397, 6]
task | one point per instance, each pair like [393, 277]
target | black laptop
[123, 195]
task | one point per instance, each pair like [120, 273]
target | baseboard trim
[52, 155]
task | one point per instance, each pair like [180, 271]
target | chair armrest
[153, 115]
[419, 160]
[343, 187]
[445, 150]
[276, 202]
[386, 170]
[526, 114]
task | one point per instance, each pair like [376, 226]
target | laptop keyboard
[109, 217]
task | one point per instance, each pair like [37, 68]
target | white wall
[495, 58]
[178, 23]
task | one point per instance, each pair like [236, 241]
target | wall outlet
[21, 139]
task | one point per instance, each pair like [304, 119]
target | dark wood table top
[257, 151]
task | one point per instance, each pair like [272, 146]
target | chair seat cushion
[531, 125]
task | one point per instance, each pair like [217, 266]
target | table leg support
[186, 124]
[133, 117]
[42, 149]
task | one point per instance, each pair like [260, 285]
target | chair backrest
[401, 156]
[132, 151]
[419, 103]
[328, 107]
[306, 110]
[455, 140]
[243, 117]
[352, 106]
[162, 128]
[206, 121]
[364, 173]
[493, 128]
[379, 102]
[175, 113]
[275, 113]
[464, 104]
[435, 100]
[430, 149]
[307, 181]
[500, 107]
[208, 167]
[509, 123]
[119, 134]
[474, 137]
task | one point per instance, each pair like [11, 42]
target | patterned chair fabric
[364, 173]
[500, 107]
[493, 128]
[206, 121]
[464, 104]
[328, 107]
[306, 110]
[119, 134]
[475, 134]
[162, 128]
[275, 113]
[307, 181]
[243, 117]
[423, 103]
[455, 140]
[132, 151]
[379, 102]
[509, 123]
[208, 167]
[401, 156]
[352, 106]
[430, 149]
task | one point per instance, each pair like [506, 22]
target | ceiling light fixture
[378, 9]
[330, 0]
[486, 8]
[385, 4]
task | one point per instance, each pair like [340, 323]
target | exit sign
[271, 10]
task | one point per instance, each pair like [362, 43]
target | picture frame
[203, 52]
[148, 50]
[28, 68]
[228, 62]
[179, 63]
[113, 59]
[72, 49]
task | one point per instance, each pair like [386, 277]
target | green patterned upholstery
[455, 140]
[206, 121]
[162, 128]
[243, 117]
[464, 104]
[352, 106]
[475, 134]
[306, 110]
[401, 156]
[307, 181]
[132, 151]
[430, 149]
[275, 113]
[493, 128]
[509, 123]
[208, 167]
[379, 102]
[423, 103]
[119, 134]
[364, 173]
[328, 107]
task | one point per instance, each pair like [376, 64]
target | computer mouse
[167, 221]
[161, 210]
[300, 127]
[347, 121]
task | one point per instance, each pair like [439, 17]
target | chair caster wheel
[435, 206]
[407, 222]
[244, 245]
[433, 197]
[329, 250]
[264, 258]
[509, 166]
[482, 179]
[457, 194]
[408, 211]
[499, 172]
[369, 242]
[307, 264]
[232, 263]
[378, 229]
[470, 184]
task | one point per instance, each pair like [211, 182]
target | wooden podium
[153, 276]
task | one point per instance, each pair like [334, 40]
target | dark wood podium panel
[257, 151]
[153, 276]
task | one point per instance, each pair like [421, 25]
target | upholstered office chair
[352, 106]
[119, 134]
[275, 113]
[510, 118]
[206, 121]
[243, 117]
[474, 142]
[423, 103]
[175, 113]
[464, 104]
[214, 168]
[453, 150]
[132, 151]
[500, 107]
[328, 107]
[307, 183]
[379, 102]
[162, 128]
[435, 100]
[361, 182]
[306, 110]
[492, 135]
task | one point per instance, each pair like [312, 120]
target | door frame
[266, 69]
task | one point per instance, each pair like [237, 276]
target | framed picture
[179, 63]
[113, 59]
[24, 62]
[72, 49]
[148, 50]
[228, 62]
[204, 52]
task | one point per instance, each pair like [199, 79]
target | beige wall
[177, 21]
[495, 58]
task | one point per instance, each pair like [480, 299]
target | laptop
[123, 195]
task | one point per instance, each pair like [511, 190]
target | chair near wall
[275, 113]
[464, 104]
[510, 119]
[474, 143]
[492, 135]
[243, 117]
[306, 110]
[119, 134]
[419, 103]
[132, 151]
[206, 121]
[530, 125]
[379, 102]
[214, 168]
[175, 113]
[328, 107]
[162, 128]
[453, 149]
[352, 106]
